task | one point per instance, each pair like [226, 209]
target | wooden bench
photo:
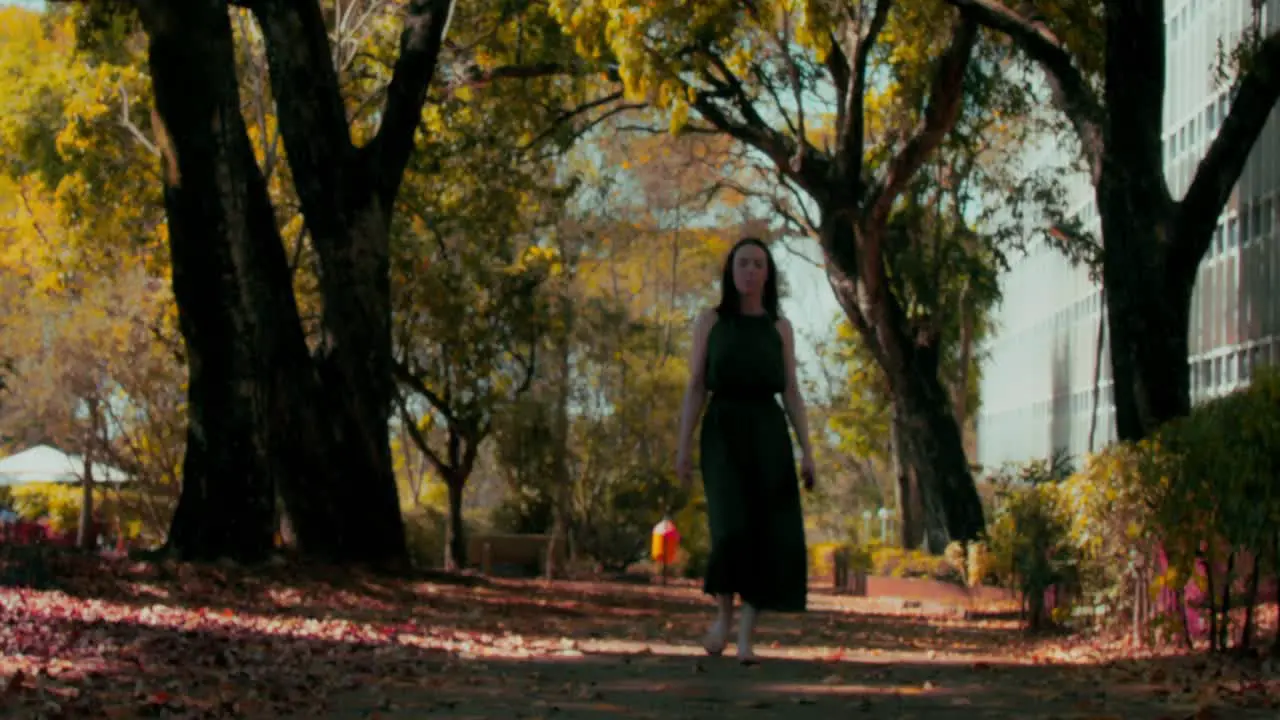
[512, 553]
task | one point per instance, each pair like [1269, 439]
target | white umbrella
[43, 463]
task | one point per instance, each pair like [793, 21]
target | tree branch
[312, 118]
[419, 439]
[1071, 90]
[571, 114]
[410, 379]
[478, 78]
[1256, 95]
[946, 97]
[127, 123]
[754, 131]
[850, 121]
[387, 155]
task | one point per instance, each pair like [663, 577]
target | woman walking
[744, 356]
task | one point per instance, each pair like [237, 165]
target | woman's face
[750, 270]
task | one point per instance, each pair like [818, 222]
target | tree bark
[455, 558]
[215, 198]
[1147, 320]
[931, 441]
[908, 498]
[85, 533]
[265, 416]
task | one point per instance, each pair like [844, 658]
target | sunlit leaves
[80, 128]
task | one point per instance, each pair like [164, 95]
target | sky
[809, 305]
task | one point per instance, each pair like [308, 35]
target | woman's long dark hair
[730, 303]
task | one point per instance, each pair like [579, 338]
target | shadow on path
[205, 643]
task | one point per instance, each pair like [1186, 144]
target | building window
[1245, 237]
[1211, 118]
[1256, 223]
[1267, 217]
[1217, 240]
[1233, 233]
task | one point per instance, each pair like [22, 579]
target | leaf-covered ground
[82, 637]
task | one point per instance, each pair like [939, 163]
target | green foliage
[899, 563]
[425, 534]
[1030, 545]
[60, 503]
[1201, 489]
[883, 561]
[695, 536]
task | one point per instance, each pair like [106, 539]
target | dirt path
[903, 686]
[867, 658]
[122, 640]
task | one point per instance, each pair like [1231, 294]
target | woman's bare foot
[746, 628]
[715, 640]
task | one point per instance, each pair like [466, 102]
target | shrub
[900, 563]
[425, 529]
[1030, 549]
[57, 502]
[60, 504]
[820, 558]
[1175, 529]
[695, 538]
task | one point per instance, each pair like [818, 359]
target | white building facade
[1038, 380]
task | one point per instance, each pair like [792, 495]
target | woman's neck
[751, 305]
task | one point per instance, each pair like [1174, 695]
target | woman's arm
[695, 393]
[791, 398]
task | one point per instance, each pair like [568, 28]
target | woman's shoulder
[784, 326]
[707, 317]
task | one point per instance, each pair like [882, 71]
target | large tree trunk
[932, 445]
[263, 415]
[1147, 322]
[86, 534]
[908, 498]
[214, 196]
[932, 449]
[1147, 307]
[455, 557]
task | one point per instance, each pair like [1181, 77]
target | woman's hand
[684, 468]
[807, 471]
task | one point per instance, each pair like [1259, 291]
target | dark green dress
[749, 470]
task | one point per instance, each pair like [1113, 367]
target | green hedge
[1184, 513]
[60, 504]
